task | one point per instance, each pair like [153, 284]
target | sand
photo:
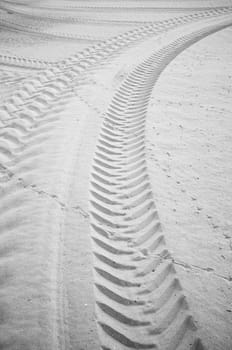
[115, 175]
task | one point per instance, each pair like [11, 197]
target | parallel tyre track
[114, 44]
[140, 303]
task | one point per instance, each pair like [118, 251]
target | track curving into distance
[112, 45]
[140, 303]
[127, 239]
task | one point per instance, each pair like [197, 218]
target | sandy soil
[115, 175]
[189, 148]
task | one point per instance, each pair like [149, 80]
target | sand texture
[115, 175]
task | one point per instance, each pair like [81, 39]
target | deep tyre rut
[140, 303]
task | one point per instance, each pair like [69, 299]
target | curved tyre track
[115, 44]
[36, 96]
[25, 115]
[140, 303]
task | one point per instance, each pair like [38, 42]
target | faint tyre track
[129, 37]
[140, 303]
[52, 35]
[82, 19]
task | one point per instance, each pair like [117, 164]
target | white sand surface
[115, 175]
[189, 151]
